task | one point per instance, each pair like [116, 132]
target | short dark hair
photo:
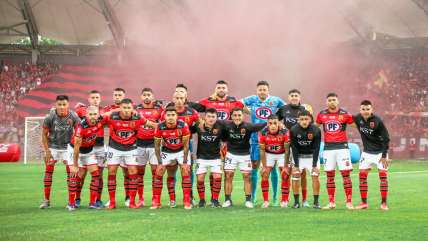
[94, 92]
[126, 101]
[62, 97]
[211, 111]
[304, 113]
[366, 102]
[170, 108]
[237, 109]
[263, 83]
[119, 89]
[273, 117]
[294, 91]
[221, 82]
[181, 86]
[331, 95]
[147, 90]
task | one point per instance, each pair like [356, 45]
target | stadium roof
[81, 22]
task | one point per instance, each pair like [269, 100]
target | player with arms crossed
[290, 114]
[262, 105]
[376, 144]
[124, 130]
[336, 150]
[175, 133]
[81, 151]
[274, 150]
[58, 129]
[208, 155]
[145, 140]
[99, 150]
[305, 145]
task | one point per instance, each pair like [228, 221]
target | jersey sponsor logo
[208, 138]
[146, 127]
[223, 114]
[292, 120]
[274, 148]
[310, 136]
[366, 130]
[69, 121]
[90, 138]
[333, 126]
[340, 117]
[124, 133]
[332, 117]
[173, 141]
[236, 136]
[372, 124]
[215, 131]
[304, 143]
[243, 130]
[263, 112]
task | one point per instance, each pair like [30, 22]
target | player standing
[238, 153]
[262, 105]
[175, 133]
[290, 114]
[209, 137]
[99, 150]
[274, 151]
[58, 129]
[336, 150]
[375, 138]
[305, 145]
[145, 140]
[82, 152]
[124, 130]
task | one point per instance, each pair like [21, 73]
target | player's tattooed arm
[74, 170]
[48, 155]
[186, 144]
[286, 169]
[264, 171]
[157, 150]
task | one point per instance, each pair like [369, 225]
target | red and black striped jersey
[88, 133]
[224, 107]
[145, 133]
[81, 112]
[173, 137]
[188, 115]
[274, 143]
[124, 131]
[334, 125]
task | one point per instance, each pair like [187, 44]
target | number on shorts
[163, 156]
[228, 159]
[362, 159]
[110, 155]
[71, 156]
[197, 166]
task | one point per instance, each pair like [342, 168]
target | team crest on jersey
[215, 131]
[340, 117]
[227, 104]
[69, 121]
[372, 124]
[280, 138]
[179, 133]
[101, 111]
[242, 130]
[99, 125]
[155, 112]
[186, 119]
[132, 125]
[310, 136]
[271, 103]
[263, 113]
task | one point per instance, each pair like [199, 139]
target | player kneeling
[305, 145]
[274, 149]
[81, 151]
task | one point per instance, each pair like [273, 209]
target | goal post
[33, 144]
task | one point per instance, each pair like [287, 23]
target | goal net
[33, 144]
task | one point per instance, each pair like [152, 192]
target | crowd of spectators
[406, 71]
[17, 79]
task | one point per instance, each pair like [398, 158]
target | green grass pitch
[21, 193]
